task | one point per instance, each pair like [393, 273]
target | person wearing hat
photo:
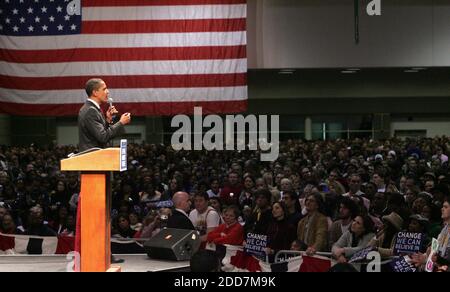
[262, 215]
[420, 224]
[385, 239]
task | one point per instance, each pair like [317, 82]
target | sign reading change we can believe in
[408, 242]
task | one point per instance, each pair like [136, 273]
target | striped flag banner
[49, 245]
[236, 260]
[25, 244]
[158, 57]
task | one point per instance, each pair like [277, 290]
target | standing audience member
[312, 230]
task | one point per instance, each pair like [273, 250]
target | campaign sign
[360, 255]
[429, 267]
[255, 244]
[123, 155]
[401, 265]
[408, 242]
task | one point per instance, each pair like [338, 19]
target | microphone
[110, 101]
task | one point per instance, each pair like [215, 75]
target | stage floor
[60, 263]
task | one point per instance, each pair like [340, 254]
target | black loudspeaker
[173, 244]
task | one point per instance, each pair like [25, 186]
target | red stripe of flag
[163, 26]
[138, 109]
[123, 54]
[134, 81]
[98, 3]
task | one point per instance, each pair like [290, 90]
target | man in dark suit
[180, 218]
[94, 130]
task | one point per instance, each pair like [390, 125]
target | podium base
[114, 269]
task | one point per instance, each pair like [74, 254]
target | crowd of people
[319, 196]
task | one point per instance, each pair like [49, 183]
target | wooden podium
[96, 167]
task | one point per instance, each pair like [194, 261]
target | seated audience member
[230, 193]
[36, 224]
[230, 232]
[347, 212]
[385, 239]
[180, 218]
[294, 214]
[135, 223]
[354, 184]
[355, 239]
[246, 197]
[442, 258]
[420, 224]
[280, 233]
[262, 215]
[8, 226]
[433, 214]
[149, 195]
[313, 229]
[59, 224]
[122, 228]
[214, 191]
[70, 225]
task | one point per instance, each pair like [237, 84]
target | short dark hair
[263, 193]
[92, 84]
[350, 205]
[291, 194]
[446, 200]
[202, 195]
[204, 261]
[320, 202]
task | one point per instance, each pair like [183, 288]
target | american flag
[158, 57]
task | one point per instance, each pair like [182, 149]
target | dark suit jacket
[179, 221]
[93, 130]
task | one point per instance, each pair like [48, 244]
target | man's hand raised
[109, 114]
[125, 119]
